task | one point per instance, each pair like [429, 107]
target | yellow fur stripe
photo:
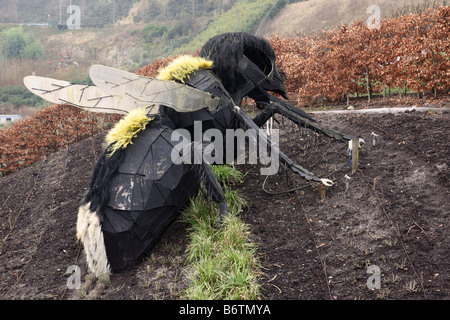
[127, 128]
[182, 67]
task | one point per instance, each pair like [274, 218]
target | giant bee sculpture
[136, 190]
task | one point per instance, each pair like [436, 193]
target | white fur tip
[90, 233]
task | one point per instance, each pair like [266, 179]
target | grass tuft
[222, 262]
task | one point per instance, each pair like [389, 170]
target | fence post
[355, 154]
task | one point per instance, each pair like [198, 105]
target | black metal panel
[125, 249]
[134, 157]
[138, 194]
[155, 199]
[137, 151]
[171, 178]
[161, 160]
[121, 221]
[121, 192]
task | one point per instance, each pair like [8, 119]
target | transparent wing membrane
[87, 97]
[149, 91]
[118, 91]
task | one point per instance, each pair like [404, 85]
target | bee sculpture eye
[260, 59]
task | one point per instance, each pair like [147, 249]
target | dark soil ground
[394, 215]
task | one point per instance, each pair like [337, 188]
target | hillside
[112, 33]
[313, 16]
[38, 11]
[187, 25]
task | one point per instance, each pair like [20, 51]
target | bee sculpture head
[246, 66]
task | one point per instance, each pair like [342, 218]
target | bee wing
[87, 97]
[150, 91]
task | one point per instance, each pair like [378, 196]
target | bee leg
[297, 116]
[246, 121]
[214, 190]
[212, 185]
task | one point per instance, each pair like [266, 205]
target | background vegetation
[19, 96]
[46, 132]
[408, 52]
[15, 43]
[244, 17]
[131, 35]
[38, 11]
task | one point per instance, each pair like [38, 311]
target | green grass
[222, 261]
[19, 96]
[251, 13]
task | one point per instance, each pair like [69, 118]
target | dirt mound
[394, 216]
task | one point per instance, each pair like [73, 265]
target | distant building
[8, 118]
